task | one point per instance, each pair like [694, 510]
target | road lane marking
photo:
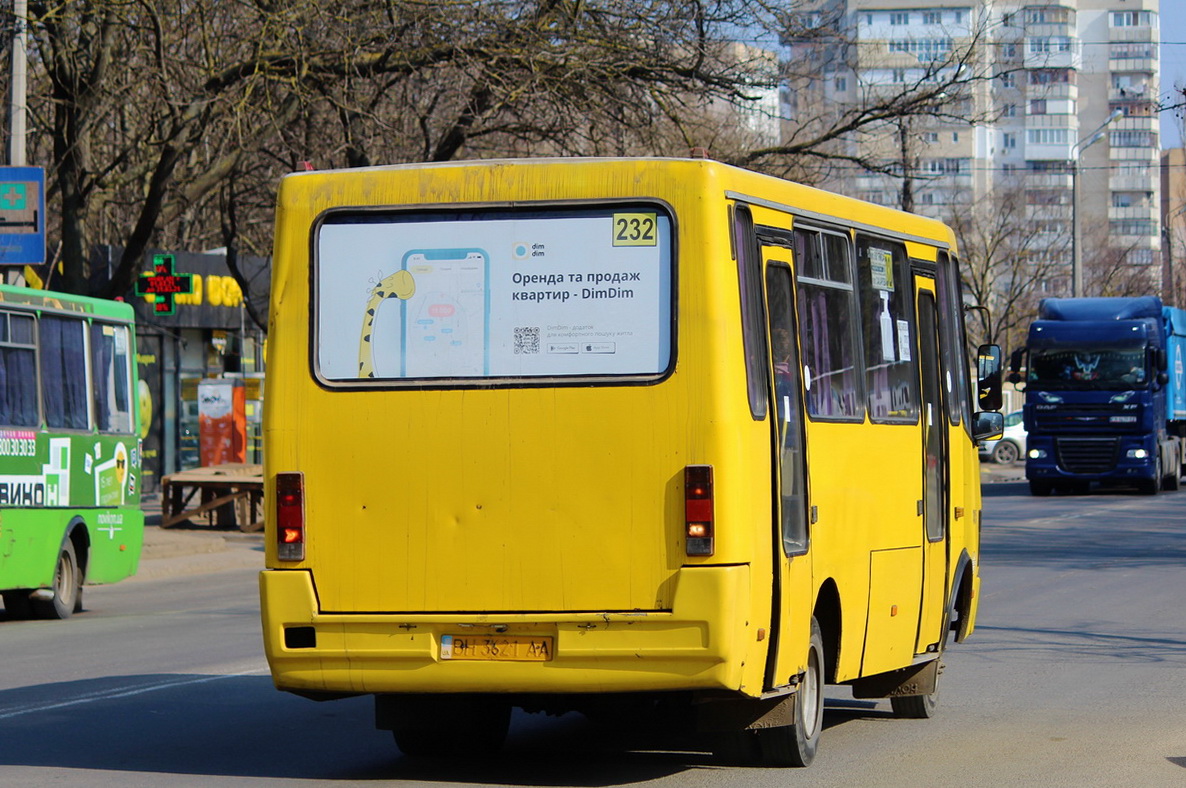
[121, 693]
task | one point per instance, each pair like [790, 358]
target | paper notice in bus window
[903, 340]
[881, 266]
[494, 294]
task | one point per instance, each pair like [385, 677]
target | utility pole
[16, 90]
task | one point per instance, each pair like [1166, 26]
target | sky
[1173, 65]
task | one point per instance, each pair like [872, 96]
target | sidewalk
[187, 550]
[991, 472]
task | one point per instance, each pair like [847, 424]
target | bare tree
[145, 110]
[1109, 270]
[1007, 251]
[835, 129]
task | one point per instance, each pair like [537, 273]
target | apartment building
[1055, 104]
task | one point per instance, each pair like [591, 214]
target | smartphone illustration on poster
[445, 322]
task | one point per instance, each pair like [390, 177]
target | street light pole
[17, 89]
[1082, 145]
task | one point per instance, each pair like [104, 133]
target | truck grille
[1086, 455]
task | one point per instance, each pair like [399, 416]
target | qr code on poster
[527, 340]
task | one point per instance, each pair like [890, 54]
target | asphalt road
[1076, 676]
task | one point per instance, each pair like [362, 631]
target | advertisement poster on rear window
[494, 294]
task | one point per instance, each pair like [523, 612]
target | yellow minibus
[614, 435]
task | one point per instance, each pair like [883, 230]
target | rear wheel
[916, 707]
[67, 587]
[796, 744]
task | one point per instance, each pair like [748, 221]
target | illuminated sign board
[164, 284]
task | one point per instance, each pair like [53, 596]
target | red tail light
[290, 516]
[698, 510]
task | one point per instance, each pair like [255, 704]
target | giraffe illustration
[399, 285]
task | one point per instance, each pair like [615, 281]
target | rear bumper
[700, 644]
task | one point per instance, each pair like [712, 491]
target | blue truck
[1105, 394]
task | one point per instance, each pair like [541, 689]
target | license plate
[497, 648]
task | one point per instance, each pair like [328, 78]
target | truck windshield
[1088, 368]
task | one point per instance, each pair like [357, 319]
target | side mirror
[1162, 360]
[1163, 378]
[988, 425]
[988, 377]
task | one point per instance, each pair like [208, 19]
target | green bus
[70, 438]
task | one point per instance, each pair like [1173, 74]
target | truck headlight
[1137, 454]
[1037, 454]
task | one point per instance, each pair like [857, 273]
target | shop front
[201, 361]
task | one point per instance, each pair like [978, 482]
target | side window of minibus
[18, 371]
[753, 319]
[64, 384]
[827, 326]
[887, 318]
[955, 356]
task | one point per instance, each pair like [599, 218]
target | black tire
[736, 748]
[1040, 489]
[67, 587]
[445, 726]
[1006, 452]
[796, 745]
[916, 707]
[1172, 481]
[16, 604]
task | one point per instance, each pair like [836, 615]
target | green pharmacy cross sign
[14, 196]
[164, 284]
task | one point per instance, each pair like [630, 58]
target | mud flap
[919, 679]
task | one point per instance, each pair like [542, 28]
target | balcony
[1057, 90]
[1135, 33]
[1048, 180]
[1148, 212]
[1131, 243]
[1118, 154]
[1145, 65]
[1131, 93]
[1131, 183]
[1071, 58]
[1136, 123]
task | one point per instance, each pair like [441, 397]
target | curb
[169, 552]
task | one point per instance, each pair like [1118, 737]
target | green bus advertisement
[69, 449]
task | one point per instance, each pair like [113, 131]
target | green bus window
[63, 356]
[111, 364]
[18, 372]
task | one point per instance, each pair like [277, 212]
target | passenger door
[935, 468]
[792, 603]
